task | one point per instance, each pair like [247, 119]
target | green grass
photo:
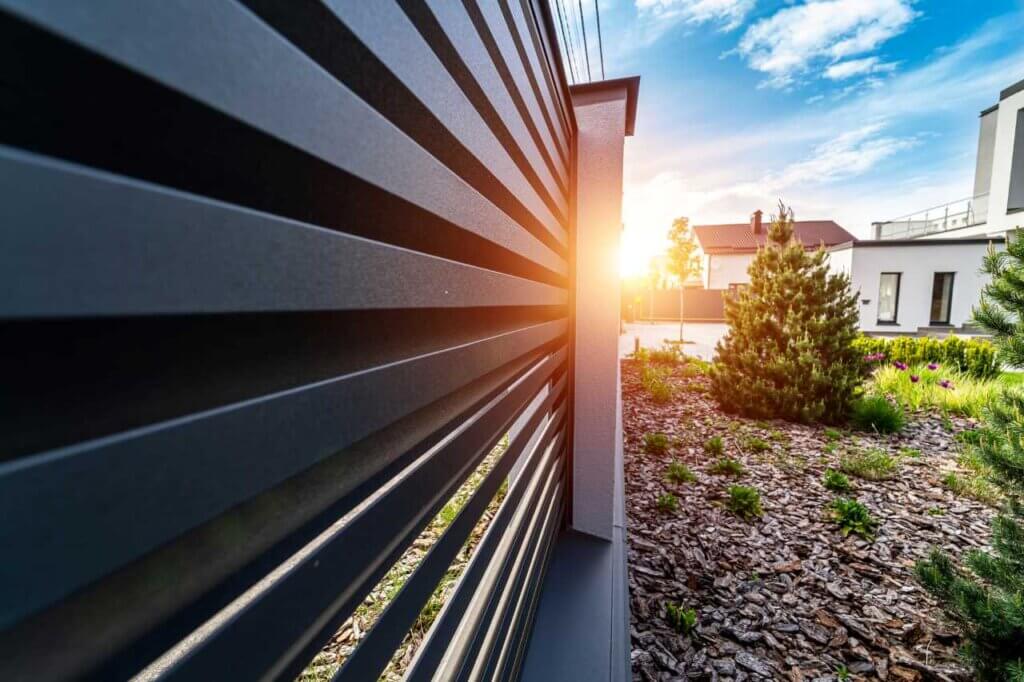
[726, 466]
[835, 481]
[832, 435]
[872, 464]
[679, 473]
[655, 382]
[714, 446]
[744, 502]
[656, 443]
[973, 480]
[755, 444]
[912, 453]
[876, 413]
[667, 502]
[966, 395]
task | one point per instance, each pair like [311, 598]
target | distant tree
[683, 258]
[986, 598]
[789, 352]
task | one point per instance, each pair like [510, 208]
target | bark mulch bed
[786, 596]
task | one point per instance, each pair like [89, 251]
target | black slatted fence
[276, 277]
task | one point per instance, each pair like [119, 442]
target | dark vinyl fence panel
[276, 277]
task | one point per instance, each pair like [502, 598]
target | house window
[942, 297]
[888, 297]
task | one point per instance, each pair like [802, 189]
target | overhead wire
[565, 41]
[600, 46]
[586, 47]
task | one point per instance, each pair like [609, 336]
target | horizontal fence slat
[376, 649]
[449, 31]
[279, 90]
[523, 493]
[129, 248]
[389, 34]
[299, 611]
[156, 482]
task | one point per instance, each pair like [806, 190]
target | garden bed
[786, 595]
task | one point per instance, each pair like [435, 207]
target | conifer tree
[985, 598]
[788, 352]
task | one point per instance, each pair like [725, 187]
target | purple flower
[914, 378]
[874, 357]
[901, 366]
[933, 366]
[946, 383]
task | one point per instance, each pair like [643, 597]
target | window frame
[896, 303]
[949, 303]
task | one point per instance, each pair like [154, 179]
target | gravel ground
[787, 596]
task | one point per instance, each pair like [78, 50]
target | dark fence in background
[276, 277]
[700, 305]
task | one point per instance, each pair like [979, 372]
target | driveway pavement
[704, 336]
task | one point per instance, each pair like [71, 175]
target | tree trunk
[681, 297]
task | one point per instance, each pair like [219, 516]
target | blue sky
[855, 110]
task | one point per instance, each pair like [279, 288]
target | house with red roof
[729, 249]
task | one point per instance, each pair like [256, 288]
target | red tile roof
[740, 238]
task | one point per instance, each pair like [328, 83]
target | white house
[920, 274]
[727, 250]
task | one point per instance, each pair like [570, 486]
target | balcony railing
[935, 220]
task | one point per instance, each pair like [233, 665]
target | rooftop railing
[935, 220]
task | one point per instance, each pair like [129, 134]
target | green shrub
[871, 464]
[655, 381]
[682, 620]
[744, 501]
[677, 472]
[853, 517]
[835, 481]
[876, 413]
[833, 435]
[667, 502]
[788, 353]
[973, 356]
[714, 446]
[656, 443]
[669, 356]
[727, 466]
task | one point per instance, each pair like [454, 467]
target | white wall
[1006, 125]
[986, 152]
[726, 269]
[917, 265]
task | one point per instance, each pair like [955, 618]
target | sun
[636, 249]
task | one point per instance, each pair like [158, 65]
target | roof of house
[740, 238]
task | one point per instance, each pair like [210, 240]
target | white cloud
[857, 67]
[798, 39]
[847, 155]
[728, 14]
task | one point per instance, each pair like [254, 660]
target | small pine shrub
[667, 502]
[835, 481]
[656, 443]
[727, 466]
[682, 620]
[744, 501]
[853, 517]
[789, 350]
[714, 446]
[679, 473]
[872, 464]
[876, 413]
